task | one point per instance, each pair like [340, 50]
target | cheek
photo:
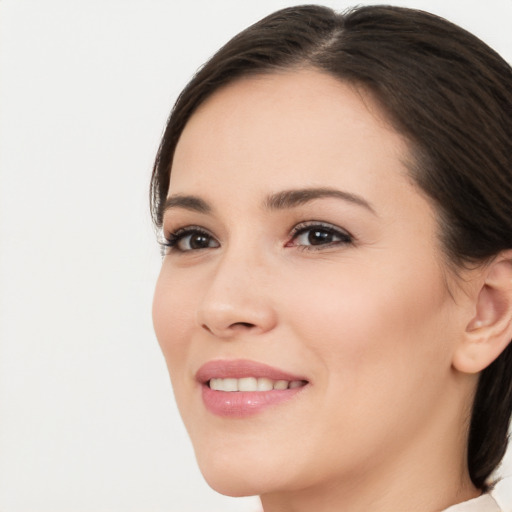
[173, 317]
[380, 351]
[361, 317]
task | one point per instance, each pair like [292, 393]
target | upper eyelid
[186, 229]
[170, 236]
[178, 218]
[322, 224]
[314, 223]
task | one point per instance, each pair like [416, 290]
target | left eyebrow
[297, 197]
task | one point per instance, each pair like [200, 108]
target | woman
[335, 299]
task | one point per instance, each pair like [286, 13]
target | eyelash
[172, 240]
[345, 238]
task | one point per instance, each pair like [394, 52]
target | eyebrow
[278, 201]
[192, 203]
[292, 198]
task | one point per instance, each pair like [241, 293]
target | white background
[87, 418]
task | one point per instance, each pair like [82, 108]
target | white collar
[484, 503]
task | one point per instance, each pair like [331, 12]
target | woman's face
[304, 271]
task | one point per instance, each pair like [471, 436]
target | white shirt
[484, 503]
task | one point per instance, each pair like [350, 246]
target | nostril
[243, 324]
[226, 330]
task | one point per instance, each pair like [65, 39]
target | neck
[399, 493]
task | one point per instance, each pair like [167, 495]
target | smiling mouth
[241, 388]
[253, 384]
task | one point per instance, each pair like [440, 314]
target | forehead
[280, 129]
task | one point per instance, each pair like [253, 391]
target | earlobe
[489, 331]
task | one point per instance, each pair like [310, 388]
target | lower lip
[240, 404]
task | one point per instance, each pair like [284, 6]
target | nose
[237, 300]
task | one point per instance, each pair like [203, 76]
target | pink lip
[239, 368]
[240, 404]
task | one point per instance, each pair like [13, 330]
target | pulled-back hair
[446, 92]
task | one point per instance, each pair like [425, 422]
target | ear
[489, 331]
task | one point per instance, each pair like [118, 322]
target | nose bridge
[236, 294]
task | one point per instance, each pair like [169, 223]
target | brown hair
[447, 92]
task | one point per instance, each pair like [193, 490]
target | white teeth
[224, 384]
[247, 384]
[253, 384]
[265, 384]
[281, 384]
[230, 384]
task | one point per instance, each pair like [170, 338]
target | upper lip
[240, 368]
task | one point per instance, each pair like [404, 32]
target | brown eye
[195, 241]
[320, 235]
[191, 239]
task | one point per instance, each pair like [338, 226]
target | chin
[234, 487]
[242, 475]
[236, 482]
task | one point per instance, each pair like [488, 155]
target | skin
[373, 322]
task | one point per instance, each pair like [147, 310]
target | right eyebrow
[192, 203]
